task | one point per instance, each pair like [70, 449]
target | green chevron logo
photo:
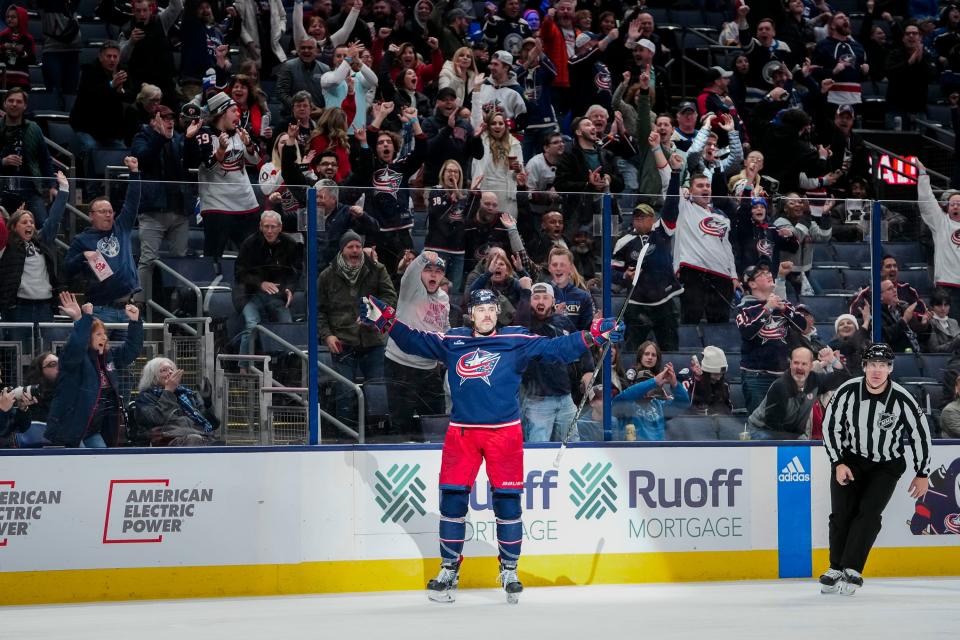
[400, 493]
[593, 490]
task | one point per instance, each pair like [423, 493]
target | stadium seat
[825, 331]
[103, 158]
[827, 307]
[691, 428]
[736, 396]
[723, 335]
[199, 271]
[219, 304]
[61, 133]
[680, 361]
[687, 17]
[825, 256]
[729, 427]
[829, 279]
[935, 397]
[857, 279]
[733, 365]
[690, 337]
[375, 404]
[934, 364]
[907, 369]
[919, 279]
[293, 332]
[855, 254]
[907, 254]
[434, 427]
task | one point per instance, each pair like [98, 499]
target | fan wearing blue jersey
[484, 369]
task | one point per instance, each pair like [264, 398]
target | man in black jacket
[586, 169]
[267, 272]
[448, 138]
[146, 50]
[97, 117]
[787, 152]
[787, 407]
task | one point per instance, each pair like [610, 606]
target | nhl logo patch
[886, 420]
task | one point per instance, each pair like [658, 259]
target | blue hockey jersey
[484, 372]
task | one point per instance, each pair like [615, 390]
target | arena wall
[80, 526]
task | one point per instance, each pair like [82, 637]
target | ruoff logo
[400, 493]
[592, 490]
[794, 472]
[144, 510]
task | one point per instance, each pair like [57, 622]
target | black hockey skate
[510, 582]
[443, 588]
[852, 580]
[831, 581]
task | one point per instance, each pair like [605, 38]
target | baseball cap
[456, 14]
[438, 262]
[846, 108]
[686, 106]
[802, 308]
[753, 271]
[723, 72]
[446, 92]
[503, 56]
[543, 287]
[646, 44]
[165, 112]
[191, 111]
[644, 209]
[582, 39]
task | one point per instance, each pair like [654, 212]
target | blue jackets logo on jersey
[714, 227]
[775, 329]
[477, 364]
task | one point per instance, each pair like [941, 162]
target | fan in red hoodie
[17, 48]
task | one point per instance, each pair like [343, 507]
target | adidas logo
[794, 472]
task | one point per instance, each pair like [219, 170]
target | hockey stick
[603, 355]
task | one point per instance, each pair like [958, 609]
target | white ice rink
[776, 610]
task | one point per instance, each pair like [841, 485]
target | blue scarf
[184, 396]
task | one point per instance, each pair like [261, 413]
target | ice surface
[773, 610]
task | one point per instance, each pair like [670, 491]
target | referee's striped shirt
[873, 426]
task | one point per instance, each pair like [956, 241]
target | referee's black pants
[856, 508]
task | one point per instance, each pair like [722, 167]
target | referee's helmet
[878, 351]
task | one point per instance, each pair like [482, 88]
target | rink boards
[77, 526]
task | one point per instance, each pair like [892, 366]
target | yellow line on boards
[897, 562]
[86, 585]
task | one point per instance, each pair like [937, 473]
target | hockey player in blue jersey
[484, 369]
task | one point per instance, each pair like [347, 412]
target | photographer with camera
[22, 423]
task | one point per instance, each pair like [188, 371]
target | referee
[864, 429]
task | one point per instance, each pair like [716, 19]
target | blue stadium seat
[906, 368]
[687, 17]
[227, 269]
[680, 361]
[827, 307]
[690, 337]
[434, 427]
[906, 253]
[824, 255]
[219, 304]
[293, 332]
[855, 254]
[736, 396]
[691, 428]
[829, 279]
[857, 279]
[200, 271]
[934, 364]
[725, 335]
[919, 279]
[61, 133]
[375, 404]
[935, 397]
[103, 158]
[733, 365]
[825, 331]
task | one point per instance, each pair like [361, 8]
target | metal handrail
[178, 277]
[360, 434]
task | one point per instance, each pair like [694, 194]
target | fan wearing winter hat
[221, 151]
[707, 384]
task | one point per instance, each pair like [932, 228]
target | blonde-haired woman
[447, 209]
[458, 73]
[331, 133]
[572, 298]
[501, 162]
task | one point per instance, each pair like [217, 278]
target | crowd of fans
[502, 127]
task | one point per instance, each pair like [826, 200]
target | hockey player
[484, 367]
[864, 429]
